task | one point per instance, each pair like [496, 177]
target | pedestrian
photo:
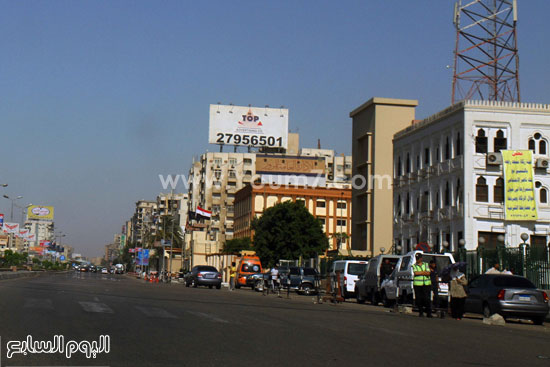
[275, 276]
[494, 270]
[232, 274]
[458, 293]
[434, 278]
[422, 286]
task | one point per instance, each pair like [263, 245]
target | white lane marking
[95, 307]
[208, 316]
[155, 312]
[38, 303]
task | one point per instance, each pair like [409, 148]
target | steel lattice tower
[486, 64]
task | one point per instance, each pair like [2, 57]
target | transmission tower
[486, 64]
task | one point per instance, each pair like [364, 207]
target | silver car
[507, 295]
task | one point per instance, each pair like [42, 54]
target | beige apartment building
[374, 124]
[216, 177]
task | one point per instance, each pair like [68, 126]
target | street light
[382, 250]
[445, 246]
[12, 202]
[524, 237]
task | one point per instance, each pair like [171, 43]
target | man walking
[494, 270]
[422, 286]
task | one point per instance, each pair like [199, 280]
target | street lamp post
[12, 203]
[445, 246]
[481, 241]
[461, 248]
[524, 237]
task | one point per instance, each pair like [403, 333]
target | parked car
[104, 271]
[368, 286]
[119, 269]
[388, 288]
[507, 295]
[203, 275]
[249, 265]
[404, 275]
[84, 268]
[350, 270]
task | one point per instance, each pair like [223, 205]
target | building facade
[374, 124]
[449, 187]
[331, 205]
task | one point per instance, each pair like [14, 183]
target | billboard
[248, 126]
[290, 164]
[519, 195]
[11, 228]
[40, 212]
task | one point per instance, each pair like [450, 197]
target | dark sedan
[203, 275]
[507, 295]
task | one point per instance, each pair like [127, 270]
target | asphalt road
[170, 325]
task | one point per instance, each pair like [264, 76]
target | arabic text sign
[40, 212]
[519, 196]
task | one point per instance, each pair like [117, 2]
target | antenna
[486, 63]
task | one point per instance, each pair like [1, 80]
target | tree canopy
[288, 231]
[236, 245]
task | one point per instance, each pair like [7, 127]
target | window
[499, 141]
[427, 156]
[481, 142]
[408, 204]
[399, 171]
[458, 198]
[447, 149]
[424, 203]
[537, 141]
[321, 204]
[398, 206]
[341, 205]
[301, 201]
[215, 209]
[498, 191]
[458, 147]
[232, 174]
[543, 196]
[217, 161]
[418, 162]
[447, 194]
[341, 222]
[408, 163]
[233, 161]
[482, 190]
[230, 208]
[217, 173]
[405, 263]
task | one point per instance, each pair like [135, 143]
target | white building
[43, 230]
[448, 184]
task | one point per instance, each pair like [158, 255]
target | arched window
[399, 168]
[542, 147]
[447, 149]
[408, 204]
[543, 196]
[458, 198]
[458, 147]
[408, 163]
[499, 141]
[398, 206]
[498, 191]
[447, 194]
[482, 190]
[538, 144]
[481, 142]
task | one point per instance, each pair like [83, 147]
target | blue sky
[97, 98]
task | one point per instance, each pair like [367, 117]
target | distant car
[507, 295]
[203, 275]
[104, 271]
[93, 269]
[119, 269]
[84, 268]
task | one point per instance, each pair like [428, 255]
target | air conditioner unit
[542, 163]
[494, 159]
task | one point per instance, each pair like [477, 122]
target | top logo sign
[248, 126]
[40, 212]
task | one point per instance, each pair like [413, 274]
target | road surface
[171, 325]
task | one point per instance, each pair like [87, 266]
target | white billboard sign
[249, 126]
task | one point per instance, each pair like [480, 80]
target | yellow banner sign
[40, 212]
[519, 197]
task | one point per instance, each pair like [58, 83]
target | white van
[404, 274]
[350, 270]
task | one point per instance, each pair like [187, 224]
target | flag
[203, 212]
[1, 220]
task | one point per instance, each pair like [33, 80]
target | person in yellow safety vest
[422, 286]
[232, 274]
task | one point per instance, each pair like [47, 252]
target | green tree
[288, 231]
[236, 245]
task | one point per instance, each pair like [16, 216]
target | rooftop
[476, 105]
